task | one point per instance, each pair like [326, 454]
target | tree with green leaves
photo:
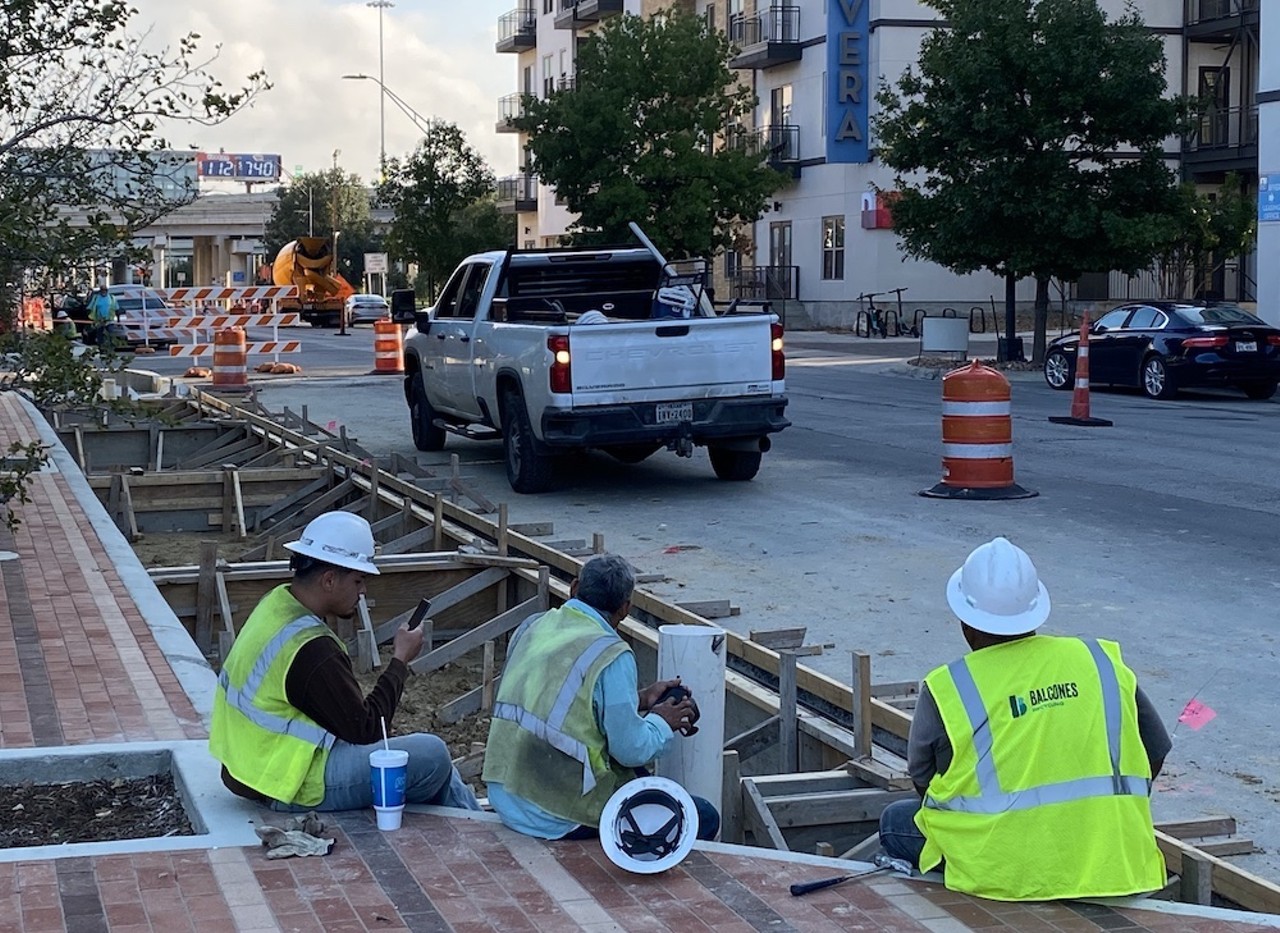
[1029, 142]
[83, 99]
[324, 202]
[635, 138]
[442, 195]
[1200, 236]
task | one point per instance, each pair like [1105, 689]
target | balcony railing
[510, 108]
[517, 193]
[775, 24]
[518, 30]
[765, 283]
[570, 15]
[1205, 11]
[567, 84]
[1223, 128]
[779, 143]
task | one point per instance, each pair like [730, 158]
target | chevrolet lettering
[554, 351]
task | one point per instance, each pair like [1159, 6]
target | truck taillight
[779, 358]
[560, 372]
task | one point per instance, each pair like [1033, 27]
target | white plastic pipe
[696, 654]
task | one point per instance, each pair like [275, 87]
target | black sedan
[1163, 346]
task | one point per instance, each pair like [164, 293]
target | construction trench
[809, 762]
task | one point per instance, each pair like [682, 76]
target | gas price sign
[238, 166]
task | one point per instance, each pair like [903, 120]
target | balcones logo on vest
[1043, 698]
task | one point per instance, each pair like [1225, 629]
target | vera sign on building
[848, 84]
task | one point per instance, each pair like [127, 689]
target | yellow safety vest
[1047, 794]
[544, 743]
[264, 741]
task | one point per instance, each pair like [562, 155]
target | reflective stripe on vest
[242, 698]
[549, 730]
[992, 799]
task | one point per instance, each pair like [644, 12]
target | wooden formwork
[847, 740]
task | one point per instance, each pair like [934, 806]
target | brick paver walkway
[79, 665]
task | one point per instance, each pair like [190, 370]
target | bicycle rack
[862, 324]
[891, 316]
[982, 320]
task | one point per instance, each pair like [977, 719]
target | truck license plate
[671, 412]
[1246, 346]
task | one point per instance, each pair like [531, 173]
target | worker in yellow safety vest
[1034, 754]
[290, 724]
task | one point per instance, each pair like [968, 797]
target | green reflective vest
[1047, 793]
[265, 742]
[544, 743]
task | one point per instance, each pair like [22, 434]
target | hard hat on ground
[998, 591]
[338, 538]
[648, 825]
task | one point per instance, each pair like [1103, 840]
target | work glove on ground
[300, 835]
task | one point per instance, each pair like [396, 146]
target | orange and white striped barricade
[1080, 395]
[977, 437]
[230, 360]
[388, 348]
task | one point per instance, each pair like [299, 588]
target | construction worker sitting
[569, 725]
[290, 724]
[1033, 754]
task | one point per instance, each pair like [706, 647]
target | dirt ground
[90, 811]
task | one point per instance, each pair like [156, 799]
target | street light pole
[381, 5]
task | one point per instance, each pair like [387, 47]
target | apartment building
[826, 237]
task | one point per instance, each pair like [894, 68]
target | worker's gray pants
[899, 835]
[432, 777]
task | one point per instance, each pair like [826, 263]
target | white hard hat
[997, 591]
[592, 317]
[338, 538]
[648, 825]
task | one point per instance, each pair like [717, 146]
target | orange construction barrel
[230, 356]
[977, 437]
[388, 348]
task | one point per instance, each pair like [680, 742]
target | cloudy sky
[439, 58]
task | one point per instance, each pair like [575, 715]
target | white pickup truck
[510, 350]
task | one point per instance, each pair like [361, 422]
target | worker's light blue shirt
[633, 740]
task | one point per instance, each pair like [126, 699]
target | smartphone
[424, 606]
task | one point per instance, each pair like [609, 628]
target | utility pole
[338, 187]
[381, 5]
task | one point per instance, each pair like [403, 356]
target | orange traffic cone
[1080, 396]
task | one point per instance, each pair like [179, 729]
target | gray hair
[606, 582]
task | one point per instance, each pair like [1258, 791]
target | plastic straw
[385, 743]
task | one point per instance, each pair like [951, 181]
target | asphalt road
[1159, 532]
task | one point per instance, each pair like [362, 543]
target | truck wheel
[427, 435]
[735, 465]
[529, 470]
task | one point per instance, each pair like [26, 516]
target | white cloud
[439, 58]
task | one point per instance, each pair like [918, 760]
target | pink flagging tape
[1196, 715]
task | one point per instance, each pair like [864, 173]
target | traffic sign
[1269, 198]
[375, 262]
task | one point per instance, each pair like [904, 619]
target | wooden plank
[532, 529]
[898, 689]
[468, 704]
[288, 502]
[126, 504]
[492, 560]
[222, 454]
[779, 637]
[1234, 883]
[754, 740]
[1191, 829]
[1227, 847]
[1196, 885]
[470, 766]
[730, 799]
[788, 739]
[407, 543]
[862, 702]
[486, 678]
[238, 500]
[805, 782]
[437, 522]
[849, 806]
[503, 531]
[80, 457]
[757, 813]
[597, 543]
[457, 647]
[825, 850]
[878, 774]
[206, 595]
[367, 658]
[863, 851]
[710, 608]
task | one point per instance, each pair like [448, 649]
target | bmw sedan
[1163, 346]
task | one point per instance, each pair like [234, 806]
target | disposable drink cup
[388, 772]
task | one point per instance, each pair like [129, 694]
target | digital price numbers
[238, 166]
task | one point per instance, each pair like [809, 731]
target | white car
[365, 309]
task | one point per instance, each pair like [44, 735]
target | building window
[711, 17]
[548, 76]
[732, 263]
[833, 248]
[548, 5]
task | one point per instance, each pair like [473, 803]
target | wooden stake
[731, 800]
[862, 702]
[1196, 885]
[597, 543]
[206, 595]
[788, 738]
[438, 522]
[503, 530]
[486, 698]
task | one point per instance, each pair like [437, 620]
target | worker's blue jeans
[899, 835]
[432, 777]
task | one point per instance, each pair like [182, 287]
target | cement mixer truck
[308, 262]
